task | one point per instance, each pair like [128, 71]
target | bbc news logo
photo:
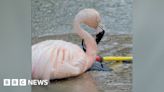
[23, 82]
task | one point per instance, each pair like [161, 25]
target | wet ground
[117, 80]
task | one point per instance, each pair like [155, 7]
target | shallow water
[92, 81]
[118, 80]
[56, 16]
[82, 83]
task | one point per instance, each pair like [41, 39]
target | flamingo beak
[100, 34]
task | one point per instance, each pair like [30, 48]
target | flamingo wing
[55, 59]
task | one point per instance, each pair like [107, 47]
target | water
[51, 17]
[83, 83]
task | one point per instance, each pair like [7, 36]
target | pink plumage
[56, 59]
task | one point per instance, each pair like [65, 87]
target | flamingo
[56, 59]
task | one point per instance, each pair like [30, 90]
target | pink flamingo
[56, 59]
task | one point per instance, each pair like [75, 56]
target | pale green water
[51, 17]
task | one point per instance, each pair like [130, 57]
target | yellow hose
[117, 58]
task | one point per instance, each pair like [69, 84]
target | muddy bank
[118, 80]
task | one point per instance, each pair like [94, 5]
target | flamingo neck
[91, 46]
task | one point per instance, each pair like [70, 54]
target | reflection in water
[82, 83]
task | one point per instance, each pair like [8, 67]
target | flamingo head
[91, 18]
